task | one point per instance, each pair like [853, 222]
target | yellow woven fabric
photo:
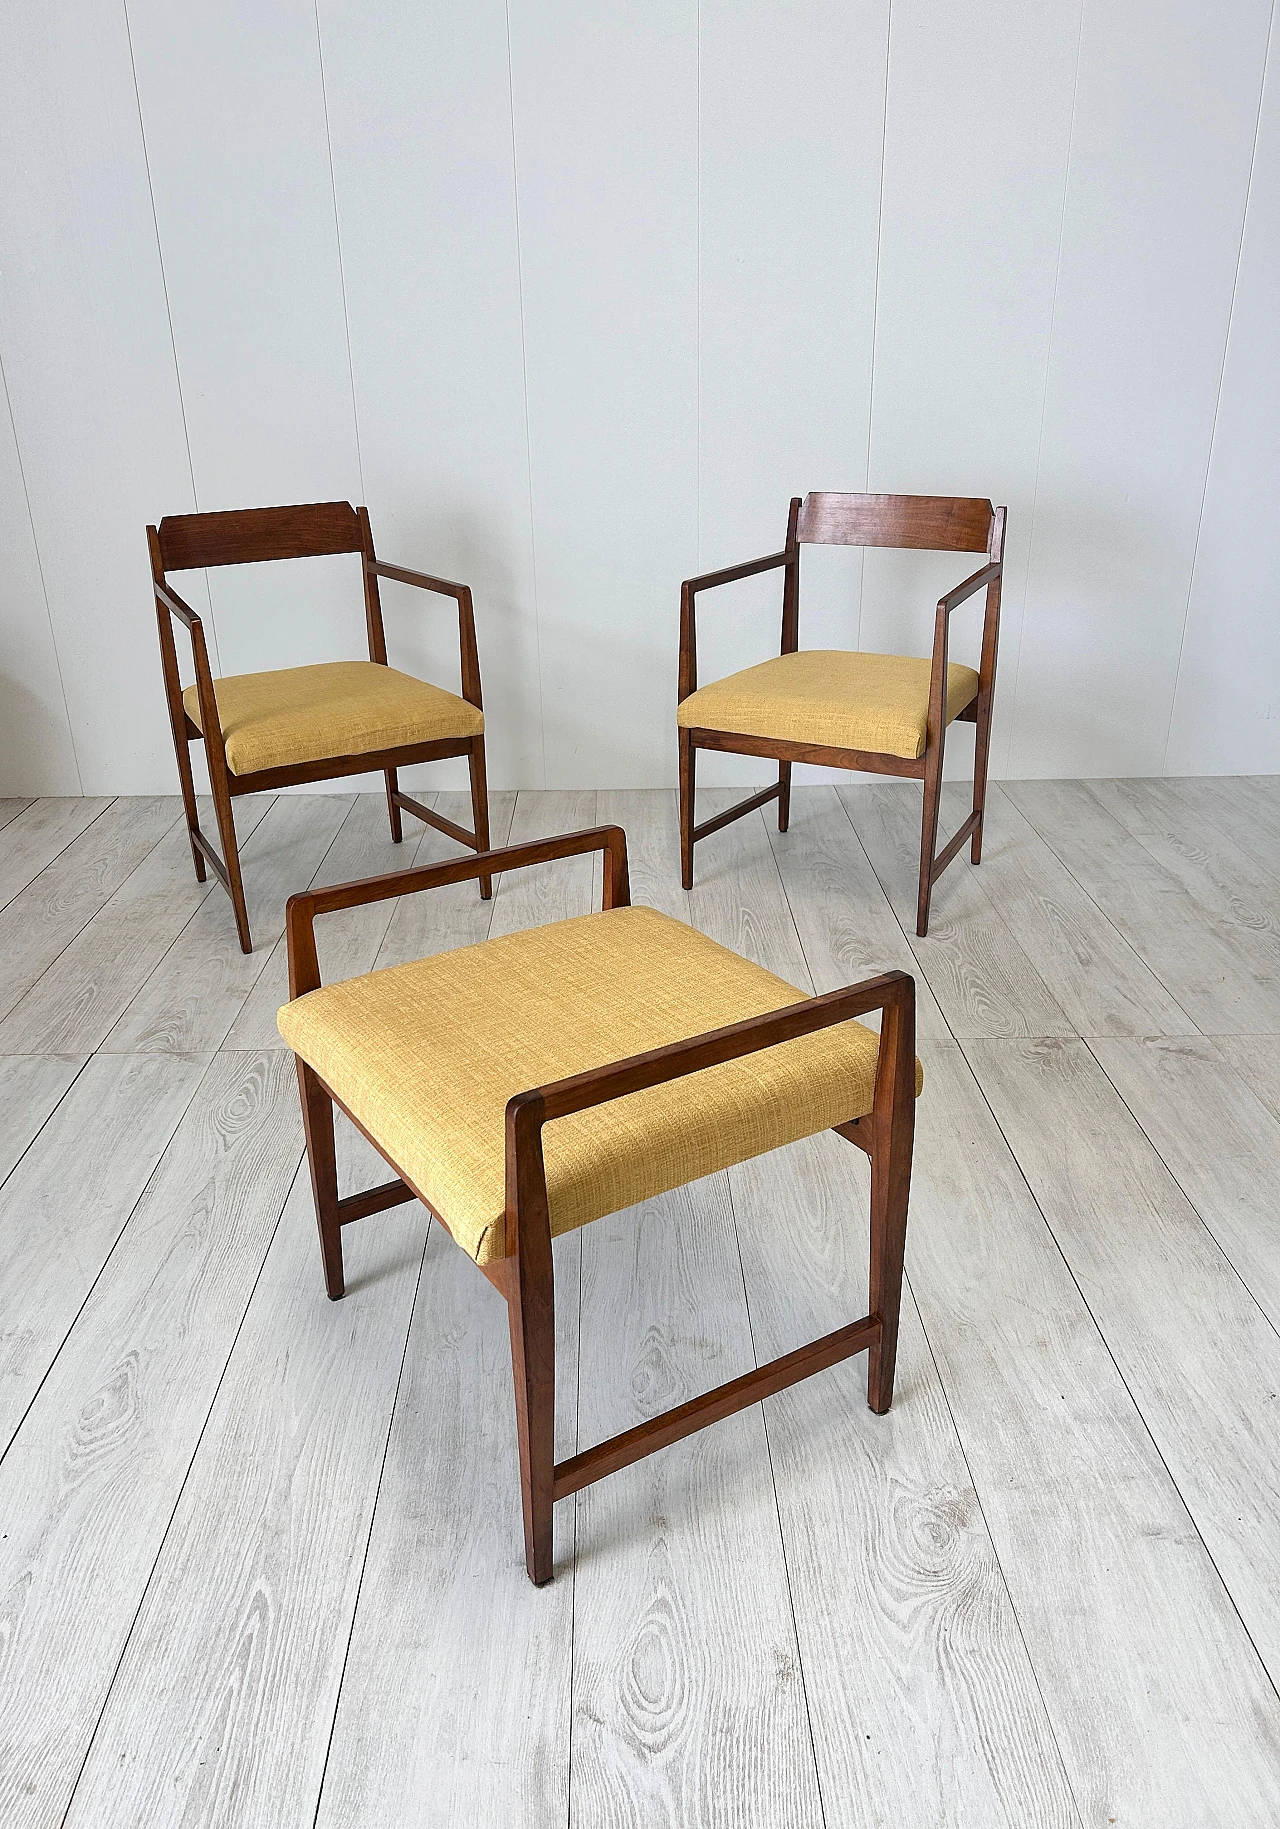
[877, 702]
[426, 1056]
[339, 708]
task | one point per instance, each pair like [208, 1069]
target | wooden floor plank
[34, 837]
[650, 820]
[1159, 1703]
[45, 917]
[1257, 1058]
[89, 1485]
[89, 985]
[922, 1698]
[1194, 1100]
[1092, 971]
[69, 1199]
[846, 927]
[1244, 808]
[30, 1087]
[10, 809]
[683, 1640]
[347, 941]
[738, 897]
[197, 990]
[982, 978]
[1203, 965]
[223, 1704]
[455, 1703]
[454, 915]
[1198, 1353]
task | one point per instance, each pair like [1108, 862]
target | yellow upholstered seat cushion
[876, 702]
[426, 1056]
[338, 708]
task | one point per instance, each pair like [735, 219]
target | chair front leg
[929, 831]
[480, 807]
[317, 1124]
[784, 796]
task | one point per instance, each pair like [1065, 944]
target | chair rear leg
[929, 834]
[982, 747]
[687, 758]
[784, 796]
[392, 780]
[317, 1124]
[480, 807]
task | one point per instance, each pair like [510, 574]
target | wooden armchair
[884, 713]
[527, 1085]
[311, 723]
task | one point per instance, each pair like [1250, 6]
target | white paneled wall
[576, 297]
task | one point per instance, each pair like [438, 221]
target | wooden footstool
[531, 1083]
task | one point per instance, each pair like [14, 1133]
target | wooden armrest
[442, 586]
[174, 604]
[301, 910]
[957, 596]
[660, 1065]
[731, 573]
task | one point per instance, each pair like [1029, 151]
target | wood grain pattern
[1195, 1349]
[245, 536]
[36, 835]
[197, 990]
[983, 980]
[1211, 968]
[1186, 1091]
[68, 1201]
[845, 927]
[91, 983]
[932, 523]
[30, 1088]
[202, 1727]
[88, 1488]
[1084, 1518]
[684, 1645]
[921, 1694]
[10, 809]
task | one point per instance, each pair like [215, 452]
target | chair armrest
[176, 607]
[658, 1066]
[461, 593]
[731, 573]
[301, 910]
[442, 586]
[957, 596]
[688, 680]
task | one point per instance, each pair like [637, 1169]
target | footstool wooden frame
[525, 1275]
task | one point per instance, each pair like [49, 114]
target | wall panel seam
[44, 589]
[337, 236]
[1217, 402]
[875, 297]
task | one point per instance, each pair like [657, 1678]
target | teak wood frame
[925, 522]
[250, 536]
[525, 1276]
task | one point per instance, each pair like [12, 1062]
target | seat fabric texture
[338, 708]
[875, 702]
[426, 1055]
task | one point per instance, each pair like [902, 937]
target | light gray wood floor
[260, 1558]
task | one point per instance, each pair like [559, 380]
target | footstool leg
[317, 1122]
[531, 1309]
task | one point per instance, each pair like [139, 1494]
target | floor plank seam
[35, 1137]
[14, 894]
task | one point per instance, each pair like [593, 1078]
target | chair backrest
[934, 523]
[247, 535]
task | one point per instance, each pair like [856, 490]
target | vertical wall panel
[37, 755]
[606, 146]
[792, 117]
[1226, 716]
[1166, 105]
[91, 378]
[420, 116]
[976, 142]
[233, 110]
